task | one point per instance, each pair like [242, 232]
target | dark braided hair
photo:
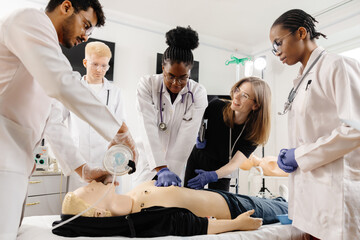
[80, 5]
[181, 41]
[295, 18]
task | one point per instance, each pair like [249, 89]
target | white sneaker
[284, 192]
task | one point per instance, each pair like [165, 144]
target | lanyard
[231, 148]
[293, 91]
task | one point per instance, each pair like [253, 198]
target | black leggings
[199, 160]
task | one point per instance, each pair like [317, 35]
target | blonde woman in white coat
[170, 107]
[323, 158]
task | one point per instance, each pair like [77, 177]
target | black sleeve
[214, 107]
[150, 222]
[247, 148]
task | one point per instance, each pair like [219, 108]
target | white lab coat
[33, 69]
[325, 188]
[173, 146]
[92, 145]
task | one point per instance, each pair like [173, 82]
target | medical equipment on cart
[41, 157]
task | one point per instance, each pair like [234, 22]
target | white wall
[137, 43]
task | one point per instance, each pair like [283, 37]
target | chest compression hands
[167, 178]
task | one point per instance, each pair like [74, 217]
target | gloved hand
[199, 144]
[98, 174]
[167, 178]
[286, 160]
[203, 178]
[125, 139]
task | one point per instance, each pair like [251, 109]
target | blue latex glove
[203, 178]
[167, 178]
[286, 160]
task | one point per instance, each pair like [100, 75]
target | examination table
[39, 228]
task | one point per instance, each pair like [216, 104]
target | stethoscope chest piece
[162, 126]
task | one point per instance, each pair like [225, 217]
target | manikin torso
[147, 195]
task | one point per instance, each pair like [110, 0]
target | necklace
[231, 148]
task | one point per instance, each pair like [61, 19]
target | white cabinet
[45, 194]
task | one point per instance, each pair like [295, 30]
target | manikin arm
[243, 222]
[232, 165]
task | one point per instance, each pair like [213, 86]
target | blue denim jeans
[267, 209]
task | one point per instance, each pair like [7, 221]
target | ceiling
[244, 24]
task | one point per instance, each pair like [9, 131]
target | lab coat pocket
[188, 115]
[15, 146]
[322, 175]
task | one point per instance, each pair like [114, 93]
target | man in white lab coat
[33, 70]
[324, 155]
[92, 145]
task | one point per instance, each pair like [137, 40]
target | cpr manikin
[202, 203]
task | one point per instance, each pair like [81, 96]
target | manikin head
[112, 204]
[74, 20]
[96, 62]
[178, 58]
[293, 36]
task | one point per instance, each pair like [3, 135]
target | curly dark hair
[81, 5]
[181, 41]
[295, 18]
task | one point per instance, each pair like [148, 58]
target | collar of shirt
[312, 58]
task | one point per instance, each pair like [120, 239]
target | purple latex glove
[286, 160]
[199, 144]
[203, 178]
[167, 178]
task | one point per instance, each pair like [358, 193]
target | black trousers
[199, 159]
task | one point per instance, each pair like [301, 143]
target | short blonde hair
[74, 205]
[100, 49]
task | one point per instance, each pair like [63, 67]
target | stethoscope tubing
[162, 125]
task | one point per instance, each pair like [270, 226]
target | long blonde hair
[259, 120]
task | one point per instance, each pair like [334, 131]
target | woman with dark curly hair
[170, 107]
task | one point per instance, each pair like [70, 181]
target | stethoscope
[162, 125]
[107, 97]
[293, 91]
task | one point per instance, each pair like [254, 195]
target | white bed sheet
[39, 228]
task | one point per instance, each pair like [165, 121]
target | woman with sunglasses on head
[170, 106]
[323, 158]
[233, 129]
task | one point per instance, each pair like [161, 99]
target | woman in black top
[233, 131]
